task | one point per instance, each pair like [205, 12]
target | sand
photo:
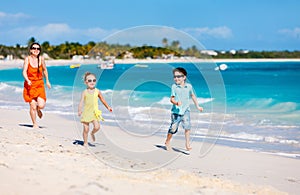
[47, 161]
[51, 160]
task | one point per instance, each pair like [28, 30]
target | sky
[215, 24]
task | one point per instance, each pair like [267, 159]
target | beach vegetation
[103, 49]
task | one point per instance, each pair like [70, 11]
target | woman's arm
[25, 67]
[45, 71]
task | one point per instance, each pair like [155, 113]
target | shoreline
[223, 170]
[18, 63]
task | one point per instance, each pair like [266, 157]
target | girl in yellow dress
[91, 113]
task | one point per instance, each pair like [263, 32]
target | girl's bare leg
[187, 140]
[33, 105]
[95, 130]
[85, 133]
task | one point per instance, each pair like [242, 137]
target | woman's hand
[48, 85]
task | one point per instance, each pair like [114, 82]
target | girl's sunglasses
[90, 80]
[35, 48]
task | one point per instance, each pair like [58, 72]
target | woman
[34, 90]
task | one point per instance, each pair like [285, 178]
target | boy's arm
[172, 100]
[103, 101]
[80, 104]
[194, 98]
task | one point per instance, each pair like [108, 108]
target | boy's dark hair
[182, 70]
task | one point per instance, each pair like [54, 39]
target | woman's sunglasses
[35, 48]
[90, 80]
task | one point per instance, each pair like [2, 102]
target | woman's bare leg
[33, 106]
[40, 105]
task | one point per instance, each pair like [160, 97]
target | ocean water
[251, 105]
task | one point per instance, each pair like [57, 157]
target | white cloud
[8, 19]
[222, 32]
[56, 33]
[292, 33]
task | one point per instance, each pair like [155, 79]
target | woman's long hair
[38, 56]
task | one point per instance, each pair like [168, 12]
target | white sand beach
[46, 161]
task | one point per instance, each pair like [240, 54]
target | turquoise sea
[251, 105]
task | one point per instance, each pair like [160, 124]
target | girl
[90, 114]
[34, 91]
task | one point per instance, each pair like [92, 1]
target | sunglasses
[35, 48]
[90, 80]
[178, 76]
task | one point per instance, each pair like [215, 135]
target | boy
[180, 96]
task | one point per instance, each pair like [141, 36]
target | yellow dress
[91, 111]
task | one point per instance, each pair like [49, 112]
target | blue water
[253, 105]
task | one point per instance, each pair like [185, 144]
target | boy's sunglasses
[35, 48]
[90, 80]
[178, 76]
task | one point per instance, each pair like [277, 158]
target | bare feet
[85, 144]
[188, 147]
[168, 146]
[39, 112]
[35, 126]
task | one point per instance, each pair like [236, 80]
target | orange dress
[37, 88]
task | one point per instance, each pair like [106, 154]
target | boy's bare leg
[167, 143]
[95, 130]
[85, 133]
[32, 112]
[187, 140]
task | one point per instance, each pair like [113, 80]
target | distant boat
[141, 65]
[74, 65]
[106, 65]
[221, 67]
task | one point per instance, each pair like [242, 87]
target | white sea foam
[166, 100]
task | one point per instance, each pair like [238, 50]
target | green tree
[165, 42]
[30, 41]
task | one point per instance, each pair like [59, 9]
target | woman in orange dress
[34, 90]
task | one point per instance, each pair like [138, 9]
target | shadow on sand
[79, 142]
[180, 150]
[29, 126]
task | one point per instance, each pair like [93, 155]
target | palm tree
[31, 40]
[165, 42]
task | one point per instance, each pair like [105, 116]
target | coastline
[61, 167]
[19, 63]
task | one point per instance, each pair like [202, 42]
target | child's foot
[85, 144]
[35, 126]
[39, 112]
[93, 137]
[168, 146]
[188, 147]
